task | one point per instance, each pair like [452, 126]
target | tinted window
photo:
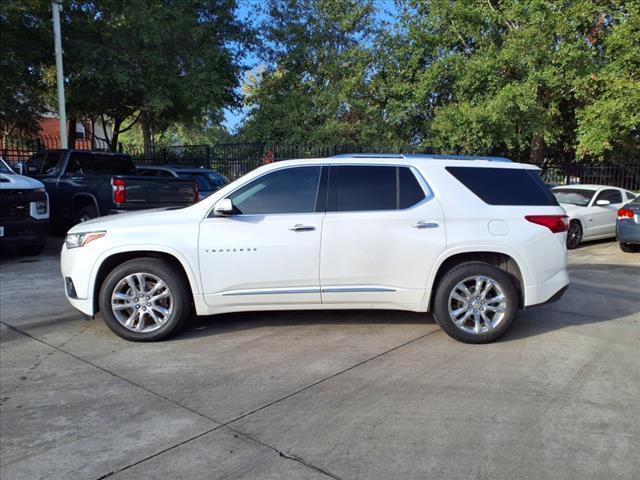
[49, 167]
[34, 164]
[100, 164]
[630, 196]
[410, 190]
[573, 196]
[292, 190]
[614, 196]
[201, 179]
[362, 188]
[505, 186]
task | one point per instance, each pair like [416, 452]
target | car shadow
[599, 293]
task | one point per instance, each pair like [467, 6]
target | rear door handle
[302, 228]
[425, 224]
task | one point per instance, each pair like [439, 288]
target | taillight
[119, 190]
[196, 192]
[624, 214]
[555, 223]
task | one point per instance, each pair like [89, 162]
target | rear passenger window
[359, 188]
[630, 196]
[362, 188]
[505, 186]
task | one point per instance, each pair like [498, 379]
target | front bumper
[23, 231]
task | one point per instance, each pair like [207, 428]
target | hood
[18, 182]
[137, 219]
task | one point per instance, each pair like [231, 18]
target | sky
[246, 10]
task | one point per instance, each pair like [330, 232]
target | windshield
[573, 196]
[4, 168]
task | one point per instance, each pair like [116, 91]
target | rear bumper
[547, 292]
[628, 231]
[23, 231]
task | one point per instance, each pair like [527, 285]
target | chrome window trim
[424, 185]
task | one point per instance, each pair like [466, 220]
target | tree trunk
[72, 135]
[117, 123]
[537, 149]
[147, 134]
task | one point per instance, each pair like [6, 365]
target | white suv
[471, 239]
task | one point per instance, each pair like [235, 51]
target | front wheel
[145, 299]
[475, 302]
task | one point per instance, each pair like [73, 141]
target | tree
[151, 61]
[512, 77]
[312, 86]
[26, 60]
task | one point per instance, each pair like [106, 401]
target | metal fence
[237, 159]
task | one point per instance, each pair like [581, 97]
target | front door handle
[302, 228]
[425, 224]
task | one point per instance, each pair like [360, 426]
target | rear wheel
[145, 299]
[574, 235]
[86, 213]
[475, 302]
[629, 247]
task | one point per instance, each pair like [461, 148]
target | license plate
[1, 231]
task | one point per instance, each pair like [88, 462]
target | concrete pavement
[317, 395]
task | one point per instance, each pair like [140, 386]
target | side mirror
[19, 168]
[223, 208]
[603, 203]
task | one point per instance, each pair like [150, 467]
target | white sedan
[592, 210]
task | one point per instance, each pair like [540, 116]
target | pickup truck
[84, 184]
[24, 212]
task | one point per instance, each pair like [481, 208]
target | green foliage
[26, 48]
[313, 84]
[530, 79]
[162, 62]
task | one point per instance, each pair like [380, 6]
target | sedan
[628, 227]
[592, 210]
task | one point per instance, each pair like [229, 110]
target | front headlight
[75, 240]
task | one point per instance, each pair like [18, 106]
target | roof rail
[421, 155]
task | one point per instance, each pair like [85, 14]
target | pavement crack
[311, 385]
[113, 374]
[282, 454]
[149, 457]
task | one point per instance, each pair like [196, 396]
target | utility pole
[56, 6]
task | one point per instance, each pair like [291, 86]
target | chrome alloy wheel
[142, 302]
[477, 305]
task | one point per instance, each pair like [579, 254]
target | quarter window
[358, 188]
[292, 190]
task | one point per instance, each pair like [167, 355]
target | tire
[494, 318]
[574, 235]
[31, 250]
[160, 319]
[629, 247]
[86, 213]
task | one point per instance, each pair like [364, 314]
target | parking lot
[348, 395]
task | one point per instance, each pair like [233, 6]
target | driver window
[291, 190]
[33, 166]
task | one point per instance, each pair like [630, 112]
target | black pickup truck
[85, 184]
